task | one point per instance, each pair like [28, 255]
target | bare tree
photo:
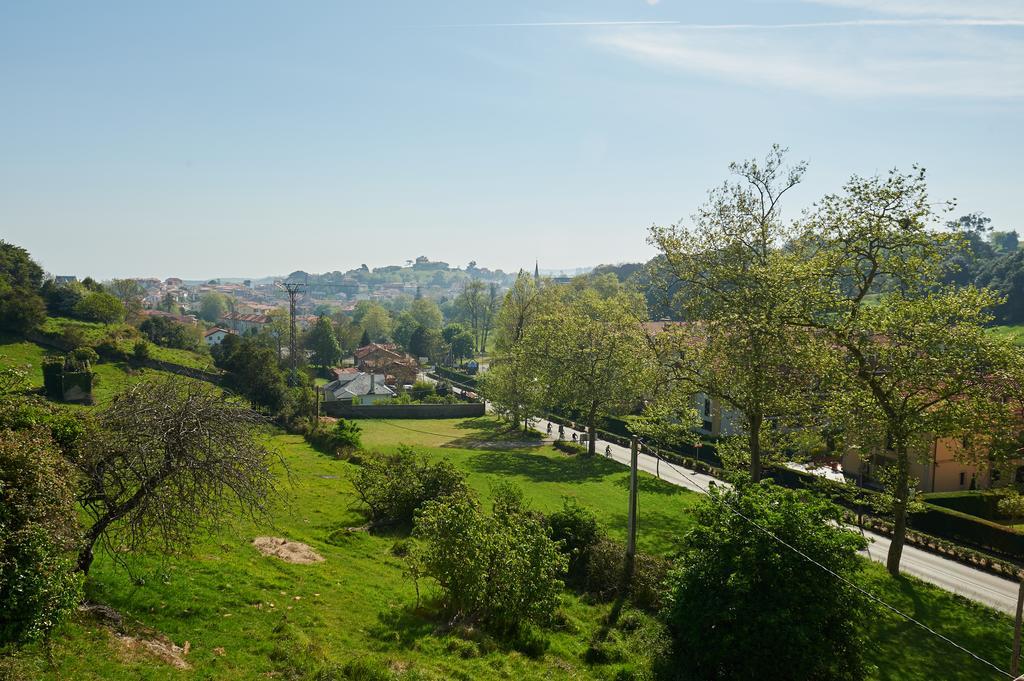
[167, 459]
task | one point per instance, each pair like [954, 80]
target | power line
[846, 581]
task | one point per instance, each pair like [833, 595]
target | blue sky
[253, 138]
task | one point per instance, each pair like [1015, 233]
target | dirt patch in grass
[287, 550]
[159, 647]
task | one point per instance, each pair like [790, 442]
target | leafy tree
[459, 341]
[365, 340]
[502, 568]
[167, 460]
[514, 386]
[348, 333]
[100, 307]
[170, 334]
[322, 342]
[1005, 275]
[61, 299]
[521, 305]
[470, 307]
[425, 342]
[741, 603]
[404, 328]
[426, 313]
[733, 285]
[91, 284]
[130, 292]
[492, 307]
[1004, 242]
[252, 370]
[916, 362]
[592, 356]
[212, 306]
[376, 322]
[21, 306]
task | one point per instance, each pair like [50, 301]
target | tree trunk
[592, 430]
[754, 442]
[85, 554]
[899, 511]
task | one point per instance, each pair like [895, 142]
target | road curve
[994, 591]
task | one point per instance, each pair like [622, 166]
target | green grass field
[1014, 333]
[246, 616]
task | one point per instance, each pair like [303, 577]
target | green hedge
[981, 504]
[456, 376]
[970, 530]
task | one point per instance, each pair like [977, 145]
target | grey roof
[350, 385]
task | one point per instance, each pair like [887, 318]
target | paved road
[993, 591]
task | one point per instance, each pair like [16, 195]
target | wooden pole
[631, 539]
[1015, 660]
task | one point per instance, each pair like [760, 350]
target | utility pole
[631, 537]
[293, 289]
[1015, 660]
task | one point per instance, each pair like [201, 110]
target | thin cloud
[944, 63]
[852, 23]
[1010, 10]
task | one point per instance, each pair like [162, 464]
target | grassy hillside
[113, 377]
[92, 333]
[246, 616]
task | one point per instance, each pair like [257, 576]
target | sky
[253, 138]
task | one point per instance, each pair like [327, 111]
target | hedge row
[979, 504]
[456, 376]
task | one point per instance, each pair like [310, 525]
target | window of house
[707, 407]
[706, 425]
[961, 479]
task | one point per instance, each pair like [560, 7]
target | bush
[38, 534]
[341, 441]
[570, 448]
[501, 569]
[346, 435]
[394, 486]
[740, 603]
[606, 577]
[577, 531]
[98, 306]
[140, 350]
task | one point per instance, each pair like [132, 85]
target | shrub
[570, 448]
[140, 350]
[394, 486]
[735, 609]
[38, 533]
[98, 306]
[347, 435]
[501, 569]
[84, 356]
[577, 530]
[606, 576]
[606, 565]
[339, 441]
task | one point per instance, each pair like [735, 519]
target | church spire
[536, 271]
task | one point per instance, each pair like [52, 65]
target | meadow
[245, 616]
